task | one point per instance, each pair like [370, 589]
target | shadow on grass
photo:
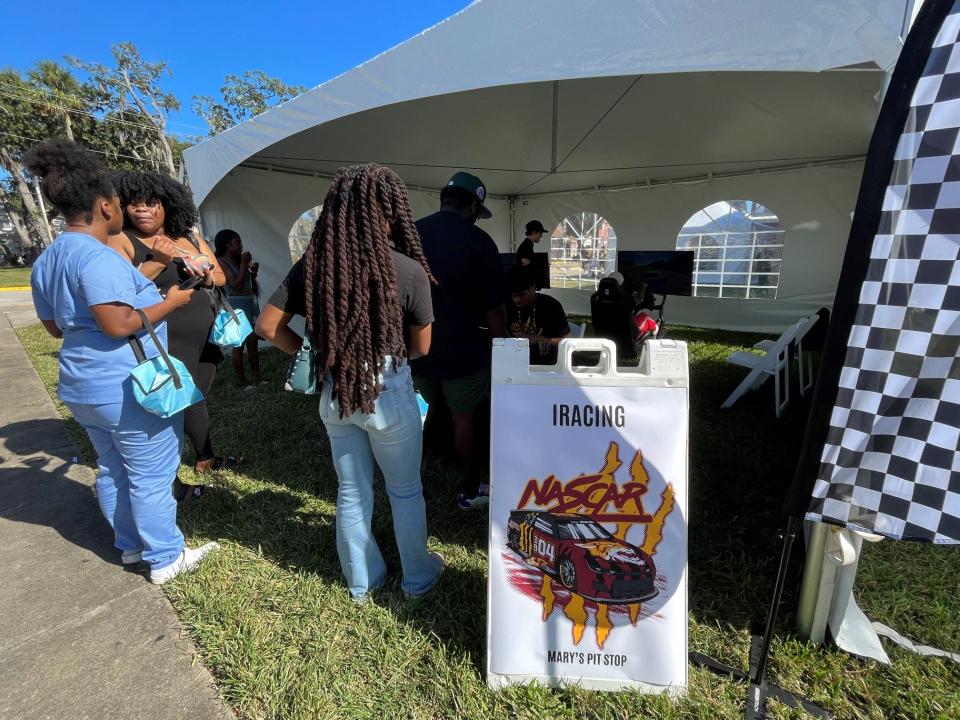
[283, 500]
[741, 462]
[301, 537]
[281, 504]
[272, 522]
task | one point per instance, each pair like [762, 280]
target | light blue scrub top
[75, 272]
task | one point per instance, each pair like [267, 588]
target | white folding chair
[775, 363]
[804, 358]
[577, 331]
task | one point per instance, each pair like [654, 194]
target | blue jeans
[393, 435]
[138, 454]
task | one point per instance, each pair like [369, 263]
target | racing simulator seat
[611, 313]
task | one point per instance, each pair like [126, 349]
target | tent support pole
[759, 690]
[556, 124]
[650, 183]
[647, 184]
[807, 624]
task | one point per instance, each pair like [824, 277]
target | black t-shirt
[470, 281]
[413, 286]
[525, 251]
[544, 317]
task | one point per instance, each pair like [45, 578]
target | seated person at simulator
[643, 298]
[535, 316]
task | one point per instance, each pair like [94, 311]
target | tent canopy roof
[612, 92]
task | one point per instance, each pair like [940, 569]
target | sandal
[188, 492]
[218, 462]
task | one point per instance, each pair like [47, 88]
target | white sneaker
[188, 560]
[131, 557]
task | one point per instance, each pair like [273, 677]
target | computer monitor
[666, 272]
[541, 267]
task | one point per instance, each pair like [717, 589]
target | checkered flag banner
[889, 462]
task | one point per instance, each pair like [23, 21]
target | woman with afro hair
[160, 239]
[86, 294]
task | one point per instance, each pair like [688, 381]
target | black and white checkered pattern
[891, 464]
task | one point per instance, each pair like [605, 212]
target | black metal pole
[758, 690]
[789, 535]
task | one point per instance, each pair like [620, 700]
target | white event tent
[645, 111]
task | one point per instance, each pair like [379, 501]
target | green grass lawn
[273, 622]
[14, 277]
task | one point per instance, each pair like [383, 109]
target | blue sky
[302, 43]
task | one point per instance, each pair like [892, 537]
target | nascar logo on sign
[576, 552]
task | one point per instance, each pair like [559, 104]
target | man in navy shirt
[468, 305]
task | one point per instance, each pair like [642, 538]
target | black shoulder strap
[141, 356]
[141, 253]
[137, 348]
[220, 298]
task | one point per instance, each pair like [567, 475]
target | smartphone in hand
[191, 283]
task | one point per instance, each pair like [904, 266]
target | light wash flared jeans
[393, 436]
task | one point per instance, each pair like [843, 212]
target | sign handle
[606, 348]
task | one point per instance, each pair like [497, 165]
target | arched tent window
[301, 231]
[583, 249]
[737, 246]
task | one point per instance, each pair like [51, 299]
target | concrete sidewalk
[80, 637]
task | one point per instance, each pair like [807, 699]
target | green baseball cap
[473, 185]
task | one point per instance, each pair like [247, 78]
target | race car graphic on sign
[583, 556]
[563, 554]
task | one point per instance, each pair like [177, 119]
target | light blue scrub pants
[138, 454]
[393, 435]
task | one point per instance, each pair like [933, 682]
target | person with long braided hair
[363, 286]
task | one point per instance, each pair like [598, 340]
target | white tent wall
[263, 205]
[813, 204]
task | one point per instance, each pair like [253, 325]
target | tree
[22, 123]
[121, 114]
[136, 107]
[177, 146]
[243, 98]
[60, 93]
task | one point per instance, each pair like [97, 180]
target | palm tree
[62, 91]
